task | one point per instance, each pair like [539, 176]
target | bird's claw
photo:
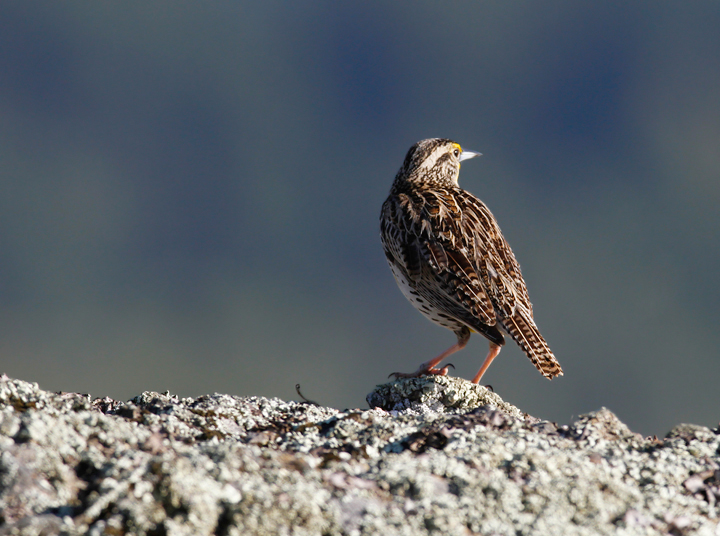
[422, 372]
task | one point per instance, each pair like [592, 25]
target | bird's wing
[443, 276]
[457, 226]
[443, 271]
[479, 235]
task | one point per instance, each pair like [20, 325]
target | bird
[451, 261]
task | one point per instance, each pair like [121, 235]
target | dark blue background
[189, 194]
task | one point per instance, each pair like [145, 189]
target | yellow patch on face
[459, 148]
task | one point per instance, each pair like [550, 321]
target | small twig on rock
[307, 401]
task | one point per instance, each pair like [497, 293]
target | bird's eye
[456, 152]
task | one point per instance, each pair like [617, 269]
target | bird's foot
[423, 370]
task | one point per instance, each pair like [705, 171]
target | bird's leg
[492, 354]
[429, 366]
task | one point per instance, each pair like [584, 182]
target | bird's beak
[467, 155]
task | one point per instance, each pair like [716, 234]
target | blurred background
[190, 193]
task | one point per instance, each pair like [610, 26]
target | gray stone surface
[443, 457]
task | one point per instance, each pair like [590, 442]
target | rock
[441, 394]
[443, 457]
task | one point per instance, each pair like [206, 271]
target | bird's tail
[527, 335]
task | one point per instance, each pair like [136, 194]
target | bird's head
[433, 162]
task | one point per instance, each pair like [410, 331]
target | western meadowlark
[451, 261]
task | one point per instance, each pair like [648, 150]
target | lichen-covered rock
[443, 393]
[444, 457]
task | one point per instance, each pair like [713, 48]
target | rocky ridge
[434, 455]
